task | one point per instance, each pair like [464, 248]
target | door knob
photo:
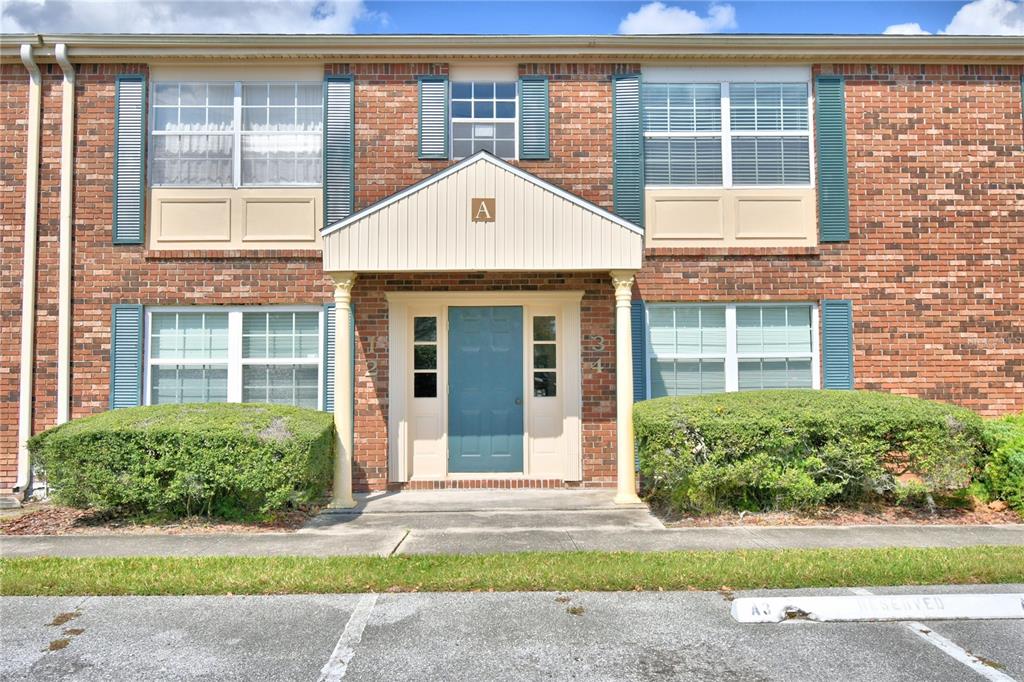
[519, 401]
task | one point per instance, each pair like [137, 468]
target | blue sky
[978, 17]
[817, 16]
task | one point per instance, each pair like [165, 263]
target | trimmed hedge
[799, 449]
[218, 459]
[1003, 475]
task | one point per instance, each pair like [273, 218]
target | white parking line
[345, 649]
[949, 647]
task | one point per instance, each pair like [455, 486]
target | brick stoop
[492, 484]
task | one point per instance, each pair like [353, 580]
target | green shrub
[219, 459]
[799, 449]
[1003, 474]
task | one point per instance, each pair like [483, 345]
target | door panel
[485, 389]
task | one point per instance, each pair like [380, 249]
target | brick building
[478, 251]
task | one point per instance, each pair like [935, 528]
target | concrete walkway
[471, 522]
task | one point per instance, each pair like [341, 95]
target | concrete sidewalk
[476, 522]
[477, 541]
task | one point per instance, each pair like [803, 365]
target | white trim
[484, 297]
[399, 453]
[481, 156]
[717, 74]
[726, 144]
[402, 306]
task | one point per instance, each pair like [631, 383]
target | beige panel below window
[194, 220]
[770, 217]
[224, 218]
[689, 217]
[279, 220]
[750, 217]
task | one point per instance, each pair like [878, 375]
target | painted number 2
[371, 347]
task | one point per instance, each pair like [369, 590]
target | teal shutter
[639, 328]
[837, 343]
[627, 148]
[433, 125]
[129, 158]
[339, 148]
[126, 328]
[833, 178]
[534, 121]
[328, 358]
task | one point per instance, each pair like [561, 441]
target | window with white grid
[694, 348]
[687, 349]
[188, 357]
[281, 358]
[774, 347]
[234, 134]
[483, 116]
[727, 134]
[235, 355]
[682, 133]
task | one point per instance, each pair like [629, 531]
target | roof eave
[720, 47]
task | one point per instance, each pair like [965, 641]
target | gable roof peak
[462, 164]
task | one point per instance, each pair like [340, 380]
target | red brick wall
[597, 319]
[386, 111]
[103, 273]
[936, 251]
[936, 164]
[13, 136]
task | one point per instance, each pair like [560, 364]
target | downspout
[28, 287]
[67, 165]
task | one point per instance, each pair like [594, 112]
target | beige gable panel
[431, 228]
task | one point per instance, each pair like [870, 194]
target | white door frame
[430, 461]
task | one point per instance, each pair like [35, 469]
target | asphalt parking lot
[480, 636]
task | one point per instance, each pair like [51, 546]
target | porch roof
[430, 226]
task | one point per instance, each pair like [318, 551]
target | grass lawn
[562, 571]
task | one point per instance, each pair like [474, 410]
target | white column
[625, 461]
[344, 386]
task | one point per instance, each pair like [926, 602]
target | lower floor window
[267, 355]
[694, 349]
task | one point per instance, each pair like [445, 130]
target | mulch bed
[872, 515]
[46, 519]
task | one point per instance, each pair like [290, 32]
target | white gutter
[614, 48]
[67, 163]
[28, 287]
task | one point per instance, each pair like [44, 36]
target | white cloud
[911, 29]
[183, 16]
[989, 17]
[657, 17]
[978, 17]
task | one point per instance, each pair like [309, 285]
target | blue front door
[485, 389]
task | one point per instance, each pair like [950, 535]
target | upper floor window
[234, 134]
[483, 116]
[727, 134]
